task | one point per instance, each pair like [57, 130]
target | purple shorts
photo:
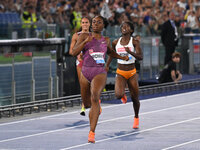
[90, 72]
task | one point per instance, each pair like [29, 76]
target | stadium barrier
[32, 69]
[191, 53]
[69, 101]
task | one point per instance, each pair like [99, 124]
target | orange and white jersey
[121, 51]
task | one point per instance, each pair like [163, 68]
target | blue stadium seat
[10, 19]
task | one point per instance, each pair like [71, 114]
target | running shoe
[82, 111]
[124, 99]
[136, 123]
[91, 137]
[100, 107]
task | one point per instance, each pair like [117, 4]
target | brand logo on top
[90, 51]
[122, 49]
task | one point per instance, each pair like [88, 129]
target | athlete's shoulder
[135, 41]
[115, 41]
[75, 35]
[107, 39]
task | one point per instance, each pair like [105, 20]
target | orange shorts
[126, 74]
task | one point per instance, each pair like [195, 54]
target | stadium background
[45, 19]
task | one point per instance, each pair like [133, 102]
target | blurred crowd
[147, 15]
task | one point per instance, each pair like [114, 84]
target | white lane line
[179, 145]
[128, 134]
[38, 118]
[109, 120]
[104, 107]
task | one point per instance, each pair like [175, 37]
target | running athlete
[137, 66]
[85, 28]
[94, 47]
[126, 71]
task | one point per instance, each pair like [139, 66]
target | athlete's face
[126, 29]
[97, 24]
[85, 24]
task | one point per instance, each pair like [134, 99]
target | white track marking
[150, 129]
[179, 145]
[109, 120]
[105, 107]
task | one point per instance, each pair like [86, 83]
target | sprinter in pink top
[93, 77]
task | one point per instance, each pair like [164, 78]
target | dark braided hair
[105, 22]
[130, 25]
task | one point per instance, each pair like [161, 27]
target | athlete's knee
[95, 97]
[119, 95]
[87, 104]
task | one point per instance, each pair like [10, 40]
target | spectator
[29, 17]
[170, 72]
[75, 18]
[1, 8]
[17, 6]
[169, 37]
[192, 22]
[61, 10]
[182, 4]
[120, 8]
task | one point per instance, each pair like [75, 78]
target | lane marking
[179, 145]
[128, 134]
[104, 107]
[100, 122]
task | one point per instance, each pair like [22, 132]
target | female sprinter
[126, 71]
[85, 28]
[94, 47]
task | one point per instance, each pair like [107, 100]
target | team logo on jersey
[90, 51]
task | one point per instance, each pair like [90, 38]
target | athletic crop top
[121, 51]
[94, 53]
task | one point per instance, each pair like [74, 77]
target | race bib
[98, 57]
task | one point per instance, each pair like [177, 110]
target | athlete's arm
[112, 53]
[81, 41]
[138, 55]
[109, 60]
[73, 42]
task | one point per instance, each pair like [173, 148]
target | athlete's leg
[97, 85]
[120, 84]
[78, 69]
[134, 92]
[85, 91]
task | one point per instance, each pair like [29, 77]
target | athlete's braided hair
[130, 25]
[105, 22]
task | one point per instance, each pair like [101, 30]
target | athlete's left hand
[126, 58]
